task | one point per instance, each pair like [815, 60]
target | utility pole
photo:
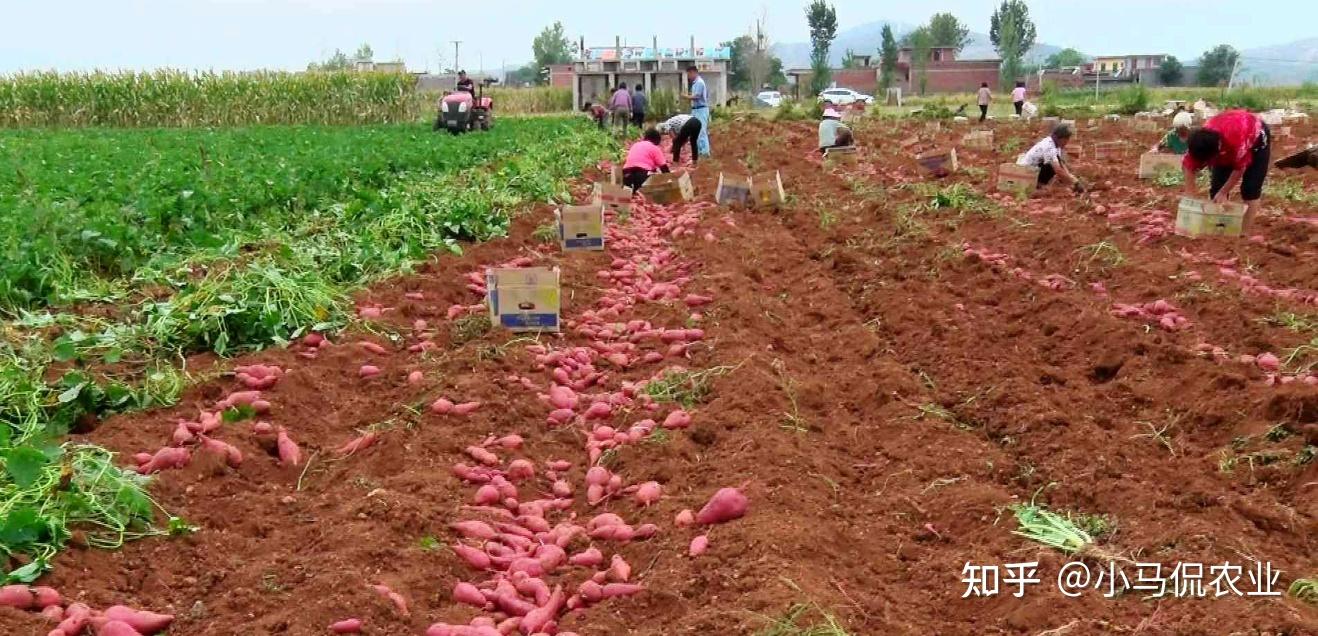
[1231, 83]
[456, 44]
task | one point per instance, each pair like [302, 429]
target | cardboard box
[939, 162]
[1108, 150]
[1074, 150]
[669, 188]
[581, 227]
[1112, 118]
[767, 190]
[982, 139]
[614, 197]
[1145, 125]
[1016, 179]
[1152, 163]
[733, 189]
[1049, 123]
[524, 299]
[615, 175]
[1273, 117]
[1198, 217]
[840, 156]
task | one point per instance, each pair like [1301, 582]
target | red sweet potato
[347, 626]
[475, 558]
[116, 628]
[147, 623]
[165, 459]
[698, 546]
[289, 452]
[373, 348]
[232, 456]
[726, 505]
[359, 444]
[17, 597]
[466, 408]
[397, 599]
[468, 594]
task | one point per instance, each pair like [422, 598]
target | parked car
[845, 97]
[769, 98]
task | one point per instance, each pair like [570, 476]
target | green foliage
[551, 47]
[1171, 72]
[177, 98]
[1065, 58]
[887, 58]
[523, 101]
[822, 18]
[1134, 99]
[920, 41]
[849, 59]
[1247, 98]
[739, 75]
[1011, 30]
[946, 30]
[790, 624]
[684, 387]
[664, 104]
[1217, 64]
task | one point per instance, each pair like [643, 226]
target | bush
[663, 104]
[1246, 98]
[1135, 99]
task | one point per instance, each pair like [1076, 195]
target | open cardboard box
[614, 197]
[981, 139]
[667, 188]
[524, 299]
[840, 156]
[767, 190]
[733, 189]
[1152, 163]
[581, 227]
[938, 162]
[1018, 179]
[1200, 217]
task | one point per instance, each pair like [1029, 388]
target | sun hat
[832, 113]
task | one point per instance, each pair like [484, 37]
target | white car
[845, 97]
[769, 98]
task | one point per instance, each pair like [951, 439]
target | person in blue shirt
[699, 97]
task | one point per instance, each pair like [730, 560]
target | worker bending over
[643, 158]
[1049, 156]
[1237, 147]
[685, 129]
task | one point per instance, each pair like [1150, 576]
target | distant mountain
[866, 38]
[1292, 63]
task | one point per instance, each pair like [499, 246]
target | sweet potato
[614, 590]
[597, 476]
[261, 406]
[76, 616]
[232, 456]
[726, 505]
[550, 556]
[562, 489]
[684, 519]
[368, 371]
[698, 546]
[483, 456]
[289, 452]
[645, 531]
[313, 340]
[359, 443]
[474, 529]
[165, 459]
[511, 442]
[589, 558]
[262, 428]
[619, 569]
[677, 420]
[415, 377]
[528, 565]
[46, 596]
[648, 493]
[183, 435]
[486, 495]
[1268, 362]
[562, 397]
[539, 618]
[147, 623]
[397, 599]
[347, 626]
[466, 408]
[441, 407]
[373, 348]
[468, 594]
[141, 458]
[559, 464]
[599, 411]
[54, 613]
[558, 417]
[17, 597]
[116, 628]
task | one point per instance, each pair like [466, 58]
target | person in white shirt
[984, 97]
[832, 132]
[1049, 157]
[1018, 97]
[685, 129]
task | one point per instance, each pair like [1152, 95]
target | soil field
[887, 366]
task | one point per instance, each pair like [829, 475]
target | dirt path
[889, 398]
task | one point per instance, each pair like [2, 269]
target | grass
[1073, 534]
[468, 328]
[792, 420]
[1158, 435]
[685, 387]
[1305, 590]
[790, 623]
[1292, 321]
[546, 233]
[1301, 359]
[1105, 253]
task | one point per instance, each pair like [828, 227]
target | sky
[287, 34]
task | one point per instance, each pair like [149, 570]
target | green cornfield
[169, 98]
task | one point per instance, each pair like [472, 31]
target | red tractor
[461, 111]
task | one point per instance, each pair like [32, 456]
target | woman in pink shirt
[644, 158]
[1018, 97]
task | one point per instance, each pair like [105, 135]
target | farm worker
[1176, 140]
[832, 132]
[639, 105]
[1018, 97]
[984, 97]
[1050, 158]
[1236, 145]
[621, 104]
[1182, 118]
[699, 97]
[643, 158]
[685, 129]
[465, 83]
[595, 112]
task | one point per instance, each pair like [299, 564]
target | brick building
[597, 70]
[560, 75]
[944, 73]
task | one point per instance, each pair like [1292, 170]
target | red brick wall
[560, 76]
[958, 77]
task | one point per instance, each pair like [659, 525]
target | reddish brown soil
[915, 424]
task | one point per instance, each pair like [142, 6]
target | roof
[1123, 56]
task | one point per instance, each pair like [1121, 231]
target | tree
[739, 76]
[887, 58]
[1171, 72]
[945, 30]
[551, 47]
[337, 62]
[364, 54]
[921, 42]
[1065, 58]
[1012, 33]
[1017, 13]
[528, 74]
[822, 19]
[1216, 66]
[849, 59]
[752, 66]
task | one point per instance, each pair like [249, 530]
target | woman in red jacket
[1236, 146]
